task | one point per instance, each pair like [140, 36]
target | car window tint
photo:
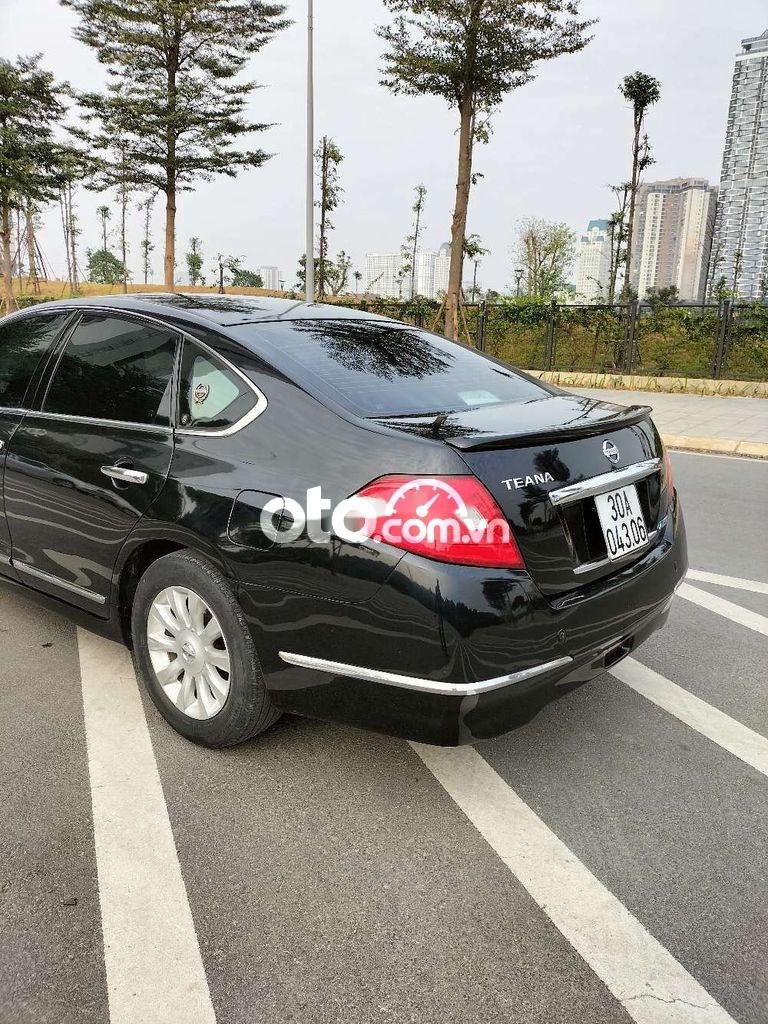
[115, 369]
[212, 397]
[376, 368]
[23, 344]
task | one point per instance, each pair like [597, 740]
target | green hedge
[669, 340]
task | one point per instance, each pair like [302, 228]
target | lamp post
[310, 256]
[518, 279]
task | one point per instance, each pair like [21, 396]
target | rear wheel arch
[139, 560]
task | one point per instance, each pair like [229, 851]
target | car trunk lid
[530, 455]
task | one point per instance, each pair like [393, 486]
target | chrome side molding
[46, 577]
[372, 675]
[604, 482]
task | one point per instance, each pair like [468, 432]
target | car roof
[222, 310]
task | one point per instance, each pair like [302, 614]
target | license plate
[621, 518]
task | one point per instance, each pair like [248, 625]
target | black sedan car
[302, 508]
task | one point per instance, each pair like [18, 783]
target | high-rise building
[384, 274]
[442, 270]
[740, 248]
[271, 278]
[593, 262]
[672, 237]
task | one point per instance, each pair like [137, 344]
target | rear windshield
[376, 369]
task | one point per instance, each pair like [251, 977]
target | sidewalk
[737, 426]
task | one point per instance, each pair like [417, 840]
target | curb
[666, 385]
[717, 445]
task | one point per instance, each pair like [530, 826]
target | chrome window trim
[48, 578]
[604, 482]
[151, 428]
[250, 416]
[423, 685]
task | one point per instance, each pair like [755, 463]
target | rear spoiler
[626, 417]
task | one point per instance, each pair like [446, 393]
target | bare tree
[146, 241]
[328, 157]
[617, 231]
[410, 247]
[546, 250]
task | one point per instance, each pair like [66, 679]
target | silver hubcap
[188, 652]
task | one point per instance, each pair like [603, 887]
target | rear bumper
[449, 655]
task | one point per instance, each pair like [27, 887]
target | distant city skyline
[557, 143]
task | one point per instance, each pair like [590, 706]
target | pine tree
[30, 160]
[174, 99]
[471, 53]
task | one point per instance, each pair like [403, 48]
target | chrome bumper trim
[371, 675]
[604, 482]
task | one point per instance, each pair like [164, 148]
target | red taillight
[448, 518]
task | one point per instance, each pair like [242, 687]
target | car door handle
[125, 475]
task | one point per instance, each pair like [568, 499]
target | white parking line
[650, 984]
[154, 968]
[735, 582]
[729, 610]
[737, 739]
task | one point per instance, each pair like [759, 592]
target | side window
[211, 396]
[23, 344]
[115, 369]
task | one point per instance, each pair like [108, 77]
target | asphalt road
[607, 863]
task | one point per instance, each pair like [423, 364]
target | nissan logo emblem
[611, 452]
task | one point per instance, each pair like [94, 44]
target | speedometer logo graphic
[423, 498]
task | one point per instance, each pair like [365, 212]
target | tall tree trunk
[632, 203]
[34, 277]
[170, 165]
[170, 235]
[123, 242]
[459, 224]
[72, 226]
[65, 230]
[323, 220]
[5, 232]
[415, 246]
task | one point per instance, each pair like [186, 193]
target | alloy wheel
[188, 652]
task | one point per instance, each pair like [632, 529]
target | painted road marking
[729, 610]
[737, 739]
[154, 968]
[735, 582]
[646, 979]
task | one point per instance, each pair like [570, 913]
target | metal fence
[728, 340]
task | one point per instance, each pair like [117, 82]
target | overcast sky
[557, 142]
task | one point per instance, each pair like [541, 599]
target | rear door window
[23, 344]
[211, 395]
[114, 368]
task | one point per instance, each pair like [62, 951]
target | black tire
[248, 709]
